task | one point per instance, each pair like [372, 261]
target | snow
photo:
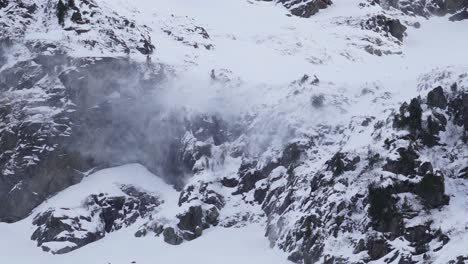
[217, 245]
[258, 53]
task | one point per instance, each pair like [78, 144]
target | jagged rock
[292, 154]
[465, 111]
[463, 173]
[203, 193]
[340, 163]
[436, 98]
[410, 116]
[459, 16]
[377, 247]
[425, 7]
[304, 8]
[383, 211]
[431, 189]
[195, 220]
[3, 3]
[102, 214]
[171, 237]
[249, 174]
[229, 182]
[385, 24]
[406, 164]
[419, 236]
[82, 109]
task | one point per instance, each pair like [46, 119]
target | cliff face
[340, 128]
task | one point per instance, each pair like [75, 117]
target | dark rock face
[377, 247]
[50, 227]
[419, 236]
[195, 220]
[41, 156]
[340, 163]
[102, 214]
[304, 8]
[203, 193]
[431, 189]
[250, 173]
[386, 25]
[459, 16]
[426, 7]
[465, 112]
[436, 98]
[383, 211]
[406, 164]
[171, 237]
[87, 112]
[3, 3]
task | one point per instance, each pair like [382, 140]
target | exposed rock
[406, 164]
[195, 220]
[171, 237]
[432, 190]
[419, 236]
[459, 16]
[340, 163]
[387, 25]
[102, 214]
[304, 8]
[436, 98]
[250, 173]
[377, 247]
[229, 182]
[383, 211]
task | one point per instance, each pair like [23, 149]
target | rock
[229, 182]
[99, 215]
[360, 246]
[406, 164]
[419, 236]
[431, 189]
[292, 154]
[465, 111]
[383, 211]
[463, 173]
[195, 220]
[80, 111]
[203, 193]
[410, 116]
[377, 247]
[3, 3]
[436, 98]
[459, 16]
[171, 237]
[425, 168]
[340, 163]
[385, 24]
[249, 174]
[318, 100]
[304, 8]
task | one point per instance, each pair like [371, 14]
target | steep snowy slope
[331, 136]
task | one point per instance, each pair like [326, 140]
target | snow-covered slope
[279, 132]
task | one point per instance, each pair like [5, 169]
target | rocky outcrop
[426, 7]
[51, 103]
[386, 25]
[61, 230]
[304, 8]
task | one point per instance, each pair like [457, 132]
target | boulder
[436, 98]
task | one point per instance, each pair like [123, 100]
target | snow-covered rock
[339, 136]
